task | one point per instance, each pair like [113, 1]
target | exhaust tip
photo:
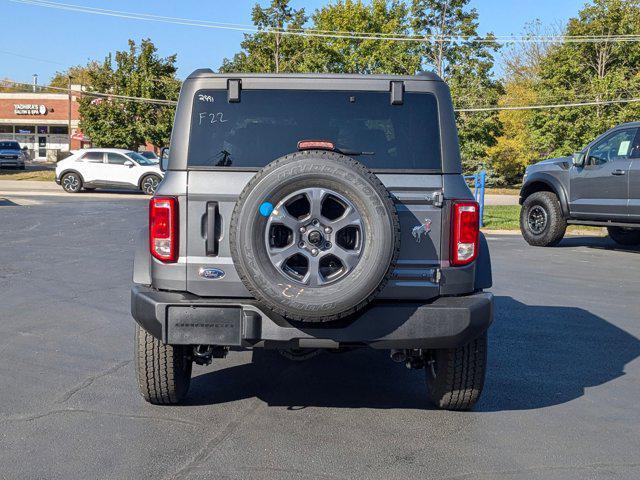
[398, 356]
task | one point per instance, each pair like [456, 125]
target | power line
[460, 110]
[330, 33]
[6, 52]
[556, 105]
[101, 94]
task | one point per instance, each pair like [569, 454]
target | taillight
[163, 228]
[464, 232]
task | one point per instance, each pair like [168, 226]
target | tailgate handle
[212, 230]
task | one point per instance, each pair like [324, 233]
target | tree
[601, 70]
[454, 50]
[80, 75]
[344, 55]
[514, 149]
[137, 72]
[271, 50]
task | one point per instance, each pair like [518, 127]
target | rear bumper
[185, 319]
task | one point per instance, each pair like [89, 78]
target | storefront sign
[29, 109]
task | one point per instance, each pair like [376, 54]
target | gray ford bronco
[313, 212]
[598, 186]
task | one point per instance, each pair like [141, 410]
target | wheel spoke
[282, 217]
[315, 197]
[313, 277]
[350, 218]
[280, 255]
[348, 258]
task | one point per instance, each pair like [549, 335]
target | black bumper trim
[444, 323]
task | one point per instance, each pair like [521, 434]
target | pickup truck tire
[163, 371]
[455, 376]
[541, 221]
[316, 179]
[624, 236]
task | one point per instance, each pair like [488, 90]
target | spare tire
[314, 236]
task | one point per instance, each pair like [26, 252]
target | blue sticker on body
[266, 208]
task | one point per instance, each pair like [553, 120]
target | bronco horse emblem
[425, 228]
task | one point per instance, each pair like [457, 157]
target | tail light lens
[163, 228]
[465, 231]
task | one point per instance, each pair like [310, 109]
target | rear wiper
[353, 153]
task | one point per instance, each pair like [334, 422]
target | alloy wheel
[314, 236]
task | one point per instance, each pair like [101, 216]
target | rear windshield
[267, 124]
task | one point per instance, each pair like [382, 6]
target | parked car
[149, 155]
[108, 168]
[305, 212]
[598, 186]
[11, 155]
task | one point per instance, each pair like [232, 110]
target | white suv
[108, 168]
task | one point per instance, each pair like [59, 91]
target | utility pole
[69, 110]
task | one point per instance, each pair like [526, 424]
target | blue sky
[60, 38]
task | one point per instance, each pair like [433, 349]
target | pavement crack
[89, 381]
[201, 456]
[63, 411]
[212, 443]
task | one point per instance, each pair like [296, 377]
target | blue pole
[483, 177]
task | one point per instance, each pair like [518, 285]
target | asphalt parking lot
[561, 398]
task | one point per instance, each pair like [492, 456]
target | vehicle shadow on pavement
[599, 243]
[541, 356]
[361, 378]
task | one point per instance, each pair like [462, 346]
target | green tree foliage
[344, 55]
[136, 72]
[271, 50]
[514, 149]
[602, 70]
[465, 63]
[79, 75]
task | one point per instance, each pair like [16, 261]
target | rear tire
[624, 236]
[541, 221]
[163, 371]
[455, 376]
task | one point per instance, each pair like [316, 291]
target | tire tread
[460, 375]
[163, 379]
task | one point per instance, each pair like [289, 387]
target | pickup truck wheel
[455, 376]
[163, 371]
[624, 236]
[314, 236]
[541, 221]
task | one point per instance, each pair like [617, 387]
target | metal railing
[479, 180]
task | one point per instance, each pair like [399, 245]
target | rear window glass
[267, 124]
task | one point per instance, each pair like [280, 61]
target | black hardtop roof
[421, 76]
[628, 124]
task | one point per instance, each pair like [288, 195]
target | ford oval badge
[211, 273]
